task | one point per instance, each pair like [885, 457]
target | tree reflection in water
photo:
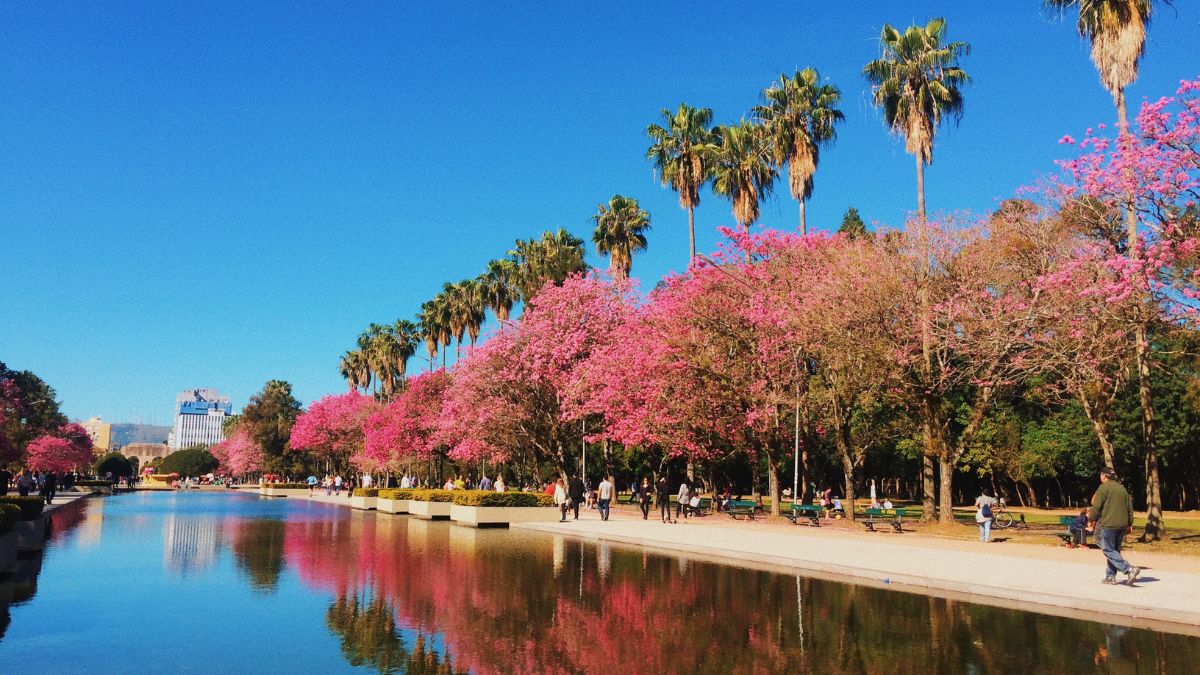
[257, 546]
[503, 601]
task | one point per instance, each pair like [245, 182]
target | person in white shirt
[367, 481]
[500, 486]
[604, 496]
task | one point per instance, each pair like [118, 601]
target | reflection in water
[368, 633]
[257, 546]
[21, 585]
[189, 543]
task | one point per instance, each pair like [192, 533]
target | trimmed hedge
[366, 492]
[9, 515]
[396, 493]
[31, 507]
[544, 499]
[491, 498]
[286, 486]
[433, 495]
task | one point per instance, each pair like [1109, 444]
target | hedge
[31, 507]
[286, 486]
[366, 492]
[433, 495]
[544, 499]
[94, 483]
[9, 515]
[396, 493]
[490, 498]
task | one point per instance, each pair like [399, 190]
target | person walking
[1112, 515]
[604, 496]
[663, 495]
[499, 485]
[51, 486]
[312, 484]
[337, 485]
[575, 491]
[485, 483]
[684, 498]
[24, 483]
[984, 504]
[561, 500]
[642, 494]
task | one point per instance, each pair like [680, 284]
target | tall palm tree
[800, 115]
[472, 304]
[620, 232]
[1117, 31]
[917, 83]
[679, 151]
[407, 334]
[554, 257]
[742, 170]
[429, 330]
[354, 368]
[496, 285]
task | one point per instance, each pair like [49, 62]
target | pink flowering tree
[404, 430]
[239, 455]
[67, 449]
[332, 427]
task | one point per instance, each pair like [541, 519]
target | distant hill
[124, 434]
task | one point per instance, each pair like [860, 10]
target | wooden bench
[893, 517]
[1067, 536]
[810, 512]
[741, 507]
[702, 509]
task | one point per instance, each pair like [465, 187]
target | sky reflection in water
[215, 582]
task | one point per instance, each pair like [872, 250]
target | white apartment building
[199, 417]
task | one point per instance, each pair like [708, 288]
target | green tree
[800, 115]
[553, 258]
[852, 224]
[496, 286]
[680, 149]
[116, 464]
[742, 169]
[268, 419]
[620, 232]
[193, 461]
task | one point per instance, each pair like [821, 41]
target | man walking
[604, 498]
[575, 492]
[1112, 515]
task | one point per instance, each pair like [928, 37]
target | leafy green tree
[800, 115]
[116, 464]
[852, 224]
[620, 232]
[193, 461]
[268, 419]
[680, 150]
[553, 258]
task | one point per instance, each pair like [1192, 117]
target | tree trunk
[803, 218]
[1100, 426]
[928, 505]
[691, 234]
[773, 480]
[945, 490]
[848, 467]
[755, 475]
[920, 188]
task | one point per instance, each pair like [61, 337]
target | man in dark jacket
[1112, 516]
[575, 492]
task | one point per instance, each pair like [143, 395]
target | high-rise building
[101, 433]
[199, 417]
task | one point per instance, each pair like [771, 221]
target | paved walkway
[1034, 578]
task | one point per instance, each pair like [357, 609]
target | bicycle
[1001, 518]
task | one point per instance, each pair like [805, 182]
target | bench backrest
[899, 513]
[1066, 520]
[742, 504]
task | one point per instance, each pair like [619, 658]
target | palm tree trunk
[920, 187]
[692, 233]
[803, 218]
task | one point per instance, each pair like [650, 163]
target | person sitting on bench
[1078, 530]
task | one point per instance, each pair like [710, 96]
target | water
[157, 582]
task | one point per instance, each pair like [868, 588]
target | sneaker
[1132, 575]
[1108, 581]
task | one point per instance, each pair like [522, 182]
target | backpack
[987, 509]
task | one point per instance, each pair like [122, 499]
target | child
[1078, 530]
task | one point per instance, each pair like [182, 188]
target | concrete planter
[364, 503]
[8, 552]
[501, 516]
[282, 492]
[429, 510]
[391, 505]
[31, 534]
[94, 489]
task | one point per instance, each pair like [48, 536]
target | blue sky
[217, 194]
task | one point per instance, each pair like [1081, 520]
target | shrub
[396, 493]
[9, 515]
[189, 462]
[31, 507]
[490, 498]
[544, 499]
[366, 492]
[433, 495]
[286, 486]
[115, 463]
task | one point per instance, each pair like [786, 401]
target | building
[200, 415]
[145, 452]
[101, 433]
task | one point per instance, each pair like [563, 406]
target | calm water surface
[198, 582]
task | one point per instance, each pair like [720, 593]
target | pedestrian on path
[24, 483]
[663, 495]
[575, 491]
[643, 496]
[604, 501]
[1112, 514]
[312, 484]
[561, 500]
[51, 486]
[984, 504]
[684, 498]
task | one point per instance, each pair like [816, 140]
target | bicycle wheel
[1002, 520]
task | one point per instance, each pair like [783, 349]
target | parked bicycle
[1001, 518]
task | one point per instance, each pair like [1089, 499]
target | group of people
[484, 483]
[43, 483]
[574, 493]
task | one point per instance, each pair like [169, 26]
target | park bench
[741, 507]
[702, 509]
[810, 512]
[893, 517]
[1066, 535]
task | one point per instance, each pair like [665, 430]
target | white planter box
[501, 516]
[391, 505]
[429, 510]
[282, 492]
[364, 503]
[8, 552]
[31, 534]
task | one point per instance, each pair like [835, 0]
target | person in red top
[549, 489]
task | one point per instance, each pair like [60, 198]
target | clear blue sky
[216, 194]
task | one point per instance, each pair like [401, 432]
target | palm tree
[742, 170]
[472, 304]
[406, 334]
[800, 115]
[496, 285]
[620, 228]
[429, 330]
[554, 257]
[1117, 31]
[916, 82]
[354, 368]
[680, 154]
